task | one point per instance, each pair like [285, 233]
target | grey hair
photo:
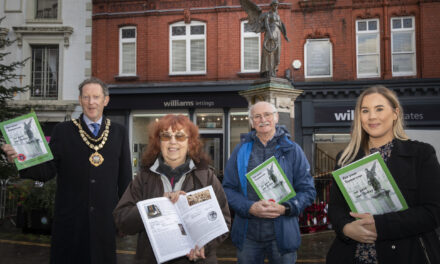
[95, 81]
[251, 108]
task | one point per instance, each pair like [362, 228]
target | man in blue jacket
[263, 228]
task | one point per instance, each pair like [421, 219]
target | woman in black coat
[398, 237]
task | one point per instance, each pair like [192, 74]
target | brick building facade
[194, 57]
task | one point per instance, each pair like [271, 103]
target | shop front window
[327, 147]
[140, 133]
[210, 125]
[239, 127]
[210, 121]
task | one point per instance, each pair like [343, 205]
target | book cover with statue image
[270, 182]
[24, 134]
[368, 186]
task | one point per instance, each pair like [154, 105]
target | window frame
[187, 37]
[413, 45]
[330, 45]
[127, 40]
[378, 53]
[31, 13]
[243, 36]
[31, 76]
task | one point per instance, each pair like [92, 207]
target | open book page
[270, 182]
[202, 215]
[166, 232]
[368, 187]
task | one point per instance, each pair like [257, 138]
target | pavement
[17, 247]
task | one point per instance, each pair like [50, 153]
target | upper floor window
[367, 48]
[127, 51]
[318, 58]
[46, 9]
[43, 11]
[403, 46]
[188, 48]
[44, 75]
[250, 49]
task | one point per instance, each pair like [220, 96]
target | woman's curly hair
[176, 122]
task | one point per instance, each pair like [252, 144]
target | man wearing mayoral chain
[92, 165]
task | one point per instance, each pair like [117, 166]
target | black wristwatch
[287, 206]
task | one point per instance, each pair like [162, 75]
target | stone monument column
[279, 92]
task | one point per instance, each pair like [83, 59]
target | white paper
[175, 229]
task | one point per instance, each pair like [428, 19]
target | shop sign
[412, 113]
[188, 103]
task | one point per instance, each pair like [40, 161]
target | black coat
[83, 228]
[416, 170]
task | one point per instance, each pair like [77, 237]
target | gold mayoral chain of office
[95, 159]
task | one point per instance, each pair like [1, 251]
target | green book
[26, 137]
[368, 186]
[270, 182]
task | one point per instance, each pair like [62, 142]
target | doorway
[213, 146]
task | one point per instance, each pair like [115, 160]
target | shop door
[213, 146]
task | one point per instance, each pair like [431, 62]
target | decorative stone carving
[3, 34]
[65, 32]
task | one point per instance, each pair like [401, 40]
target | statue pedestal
[278, 91]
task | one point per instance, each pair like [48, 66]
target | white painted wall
[74, 66]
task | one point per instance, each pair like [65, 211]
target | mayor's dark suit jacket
[416, 170]
[83, 228]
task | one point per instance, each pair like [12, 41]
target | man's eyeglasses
[167, 137]
[267, 116]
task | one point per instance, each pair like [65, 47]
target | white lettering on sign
[178, 103]
[347, 116]
[413, 116]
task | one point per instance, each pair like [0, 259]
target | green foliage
[9, 78]
[19, 191]
[34, 197]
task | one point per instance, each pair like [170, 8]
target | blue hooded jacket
[296, 167]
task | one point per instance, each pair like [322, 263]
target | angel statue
[270, 23]
[372, 180]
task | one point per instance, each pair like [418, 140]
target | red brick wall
[303, 19]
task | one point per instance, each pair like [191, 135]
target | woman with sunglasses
[173, 164]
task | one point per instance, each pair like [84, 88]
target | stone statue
[270, 23]
[372, 180]
[28, 130]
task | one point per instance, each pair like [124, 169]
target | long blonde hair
[359, 138]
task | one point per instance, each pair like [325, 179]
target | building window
[188, 48]
[367, 48]
[127, 51]
[318, 58]
[44, 77]
[250, 49]
[46, 9]
[139, 123]
[403, 46]
[239, 125]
